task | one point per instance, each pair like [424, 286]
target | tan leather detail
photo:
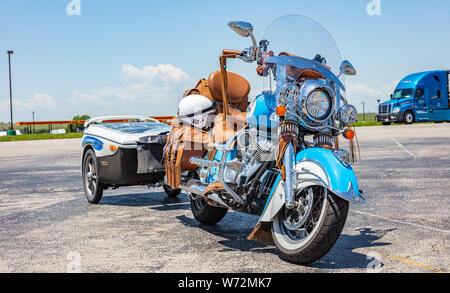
[182, 144]
[201, 88]
[214, 187]
[229, 53]
[309, 74]
[299, 73]
[238, 87]
[195, 144]
[170, 153]
[242, 107]
[223, 130]
[289, 134]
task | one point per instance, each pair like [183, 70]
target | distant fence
[163, 119]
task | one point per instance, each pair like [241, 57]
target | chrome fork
[288, 162]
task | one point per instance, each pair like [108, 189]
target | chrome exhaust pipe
[197, 187]
[193, 186]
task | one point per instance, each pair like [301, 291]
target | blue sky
[137, 57]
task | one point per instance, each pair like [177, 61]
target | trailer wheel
[93, 189]
[386, 123]
[409, 117]
[171, 192]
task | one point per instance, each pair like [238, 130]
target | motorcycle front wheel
[305, 234]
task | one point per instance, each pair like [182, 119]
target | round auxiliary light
[318, 104]
[348, 114]
[289, 92]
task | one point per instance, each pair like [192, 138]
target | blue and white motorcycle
[280, 159]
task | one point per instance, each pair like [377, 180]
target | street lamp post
[10, 89]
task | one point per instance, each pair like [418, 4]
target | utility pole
[364, 110]
[32, 112]
[10, 88]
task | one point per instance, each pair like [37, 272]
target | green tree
[74, 127]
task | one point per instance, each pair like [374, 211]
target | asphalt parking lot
[46, 225]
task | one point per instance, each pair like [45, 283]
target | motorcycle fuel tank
[260, 111]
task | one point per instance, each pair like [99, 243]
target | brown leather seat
[223, 130]
[238, 89]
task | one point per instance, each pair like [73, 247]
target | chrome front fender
[316, 166]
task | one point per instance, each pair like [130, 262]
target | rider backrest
[238, 89]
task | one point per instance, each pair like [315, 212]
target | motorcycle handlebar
[231, 53]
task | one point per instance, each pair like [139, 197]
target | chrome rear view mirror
[242, 28]
[347, 68]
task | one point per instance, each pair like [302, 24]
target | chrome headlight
[347, 114]
[316, 103]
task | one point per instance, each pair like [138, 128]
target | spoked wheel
[306, 233]
[93, 189]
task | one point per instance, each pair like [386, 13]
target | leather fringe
[262, 233]
[353, 149]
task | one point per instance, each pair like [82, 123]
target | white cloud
[157, 87]
[389, 88]
[42, 101]
[86, 97]
[38, 101]
[357, 89]
[166, 73]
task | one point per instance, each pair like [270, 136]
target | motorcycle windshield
[295, 35]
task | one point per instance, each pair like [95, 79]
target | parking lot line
[412, 263]
[403, 148]
[402, 222]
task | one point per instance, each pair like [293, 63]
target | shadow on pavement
[154, 200]
[235, 235]
[342, 255]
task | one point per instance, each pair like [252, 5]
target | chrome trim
[203, 163]
[347, 114]
[221, 167]
[308, 87]
[350, 195]
[196, 187]
[288, 163]
[347, 68]
[343, 156]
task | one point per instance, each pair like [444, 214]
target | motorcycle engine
[252, 152]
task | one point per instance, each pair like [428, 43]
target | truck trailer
[419, 97]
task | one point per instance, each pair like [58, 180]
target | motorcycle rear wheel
[320, 231]
[205, 213]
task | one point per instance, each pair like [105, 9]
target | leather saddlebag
[183, 143]
[202, 88]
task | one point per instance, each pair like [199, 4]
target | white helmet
[194, 110]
